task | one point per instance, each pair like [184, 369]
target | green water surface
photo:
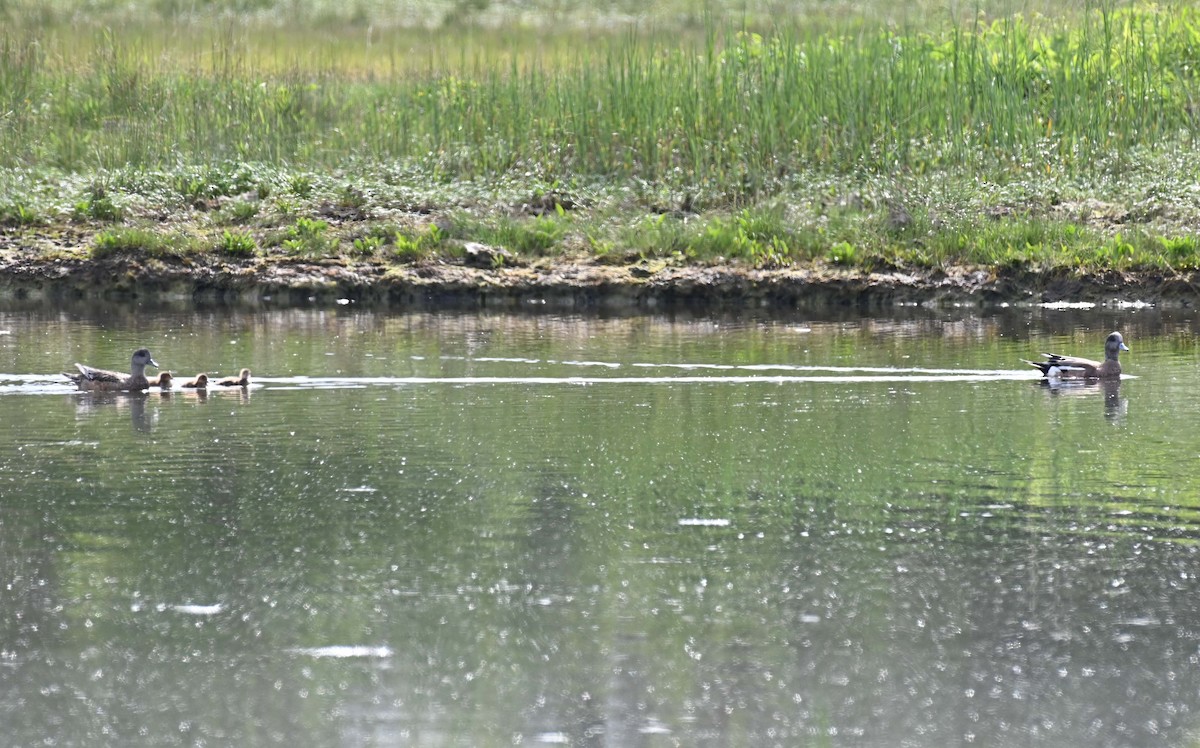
[477, 530]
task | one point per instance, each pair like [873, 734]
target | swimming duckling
[198, 382]
[241, 380]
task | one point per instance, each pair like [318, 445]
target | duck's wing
[98, 375]
[1070, 367]
[1070, 362]
[1043, 366]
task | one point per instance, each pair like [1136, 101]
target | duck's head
[1114, 345]
[142, 357]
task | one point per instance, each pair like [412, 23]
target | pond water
[473, 530]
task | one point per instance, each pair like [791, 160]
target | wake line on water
[714, 367]
[972, 376]
[847, 369]
[41, 384]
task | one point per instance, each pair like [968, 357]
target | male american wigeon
[198, 382]
[241, 380]
[1073, 367]
[104, 380]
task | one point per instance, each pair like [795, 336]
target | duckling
[198, 382]
[241, 380]
[90, 378]
[163, 380]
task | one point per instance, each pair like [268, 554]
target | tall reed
[737, 111]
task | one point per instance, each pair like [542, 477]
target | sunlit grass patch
[199, 187]
[308, 237]
[1181, 252]
[98, 204]
[530, 236]
[730, 113]
[759, 236]
[661, 235]
[19, 214]
[141, 243]
[239, 212]
[411, 246]
[237, 244]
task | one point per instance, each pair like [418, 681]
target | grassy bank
[689, 136]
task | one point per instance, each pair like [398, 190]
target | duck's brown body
[104, 380]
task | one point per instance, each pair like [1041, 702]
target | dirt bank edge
[576, 285]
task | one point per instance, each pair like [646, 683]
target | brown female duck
[103, 380]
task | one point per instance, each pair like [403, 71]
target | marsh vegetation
[755, 134]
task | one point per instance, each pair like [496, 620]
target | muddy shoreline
[571, 285]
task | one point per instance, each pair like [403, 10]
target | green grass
[237, 244]
[414, 20]
[535, 236]
[18, 214]
[240, 212]
[1145, 221]
[1008, 140]
[409, 246]
[141, 243]
[308, 238]
[97, 204]
[734, 113]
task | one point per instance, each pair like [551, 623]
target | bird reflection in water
[1115, 406]
[134, 402]
[140, 418]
